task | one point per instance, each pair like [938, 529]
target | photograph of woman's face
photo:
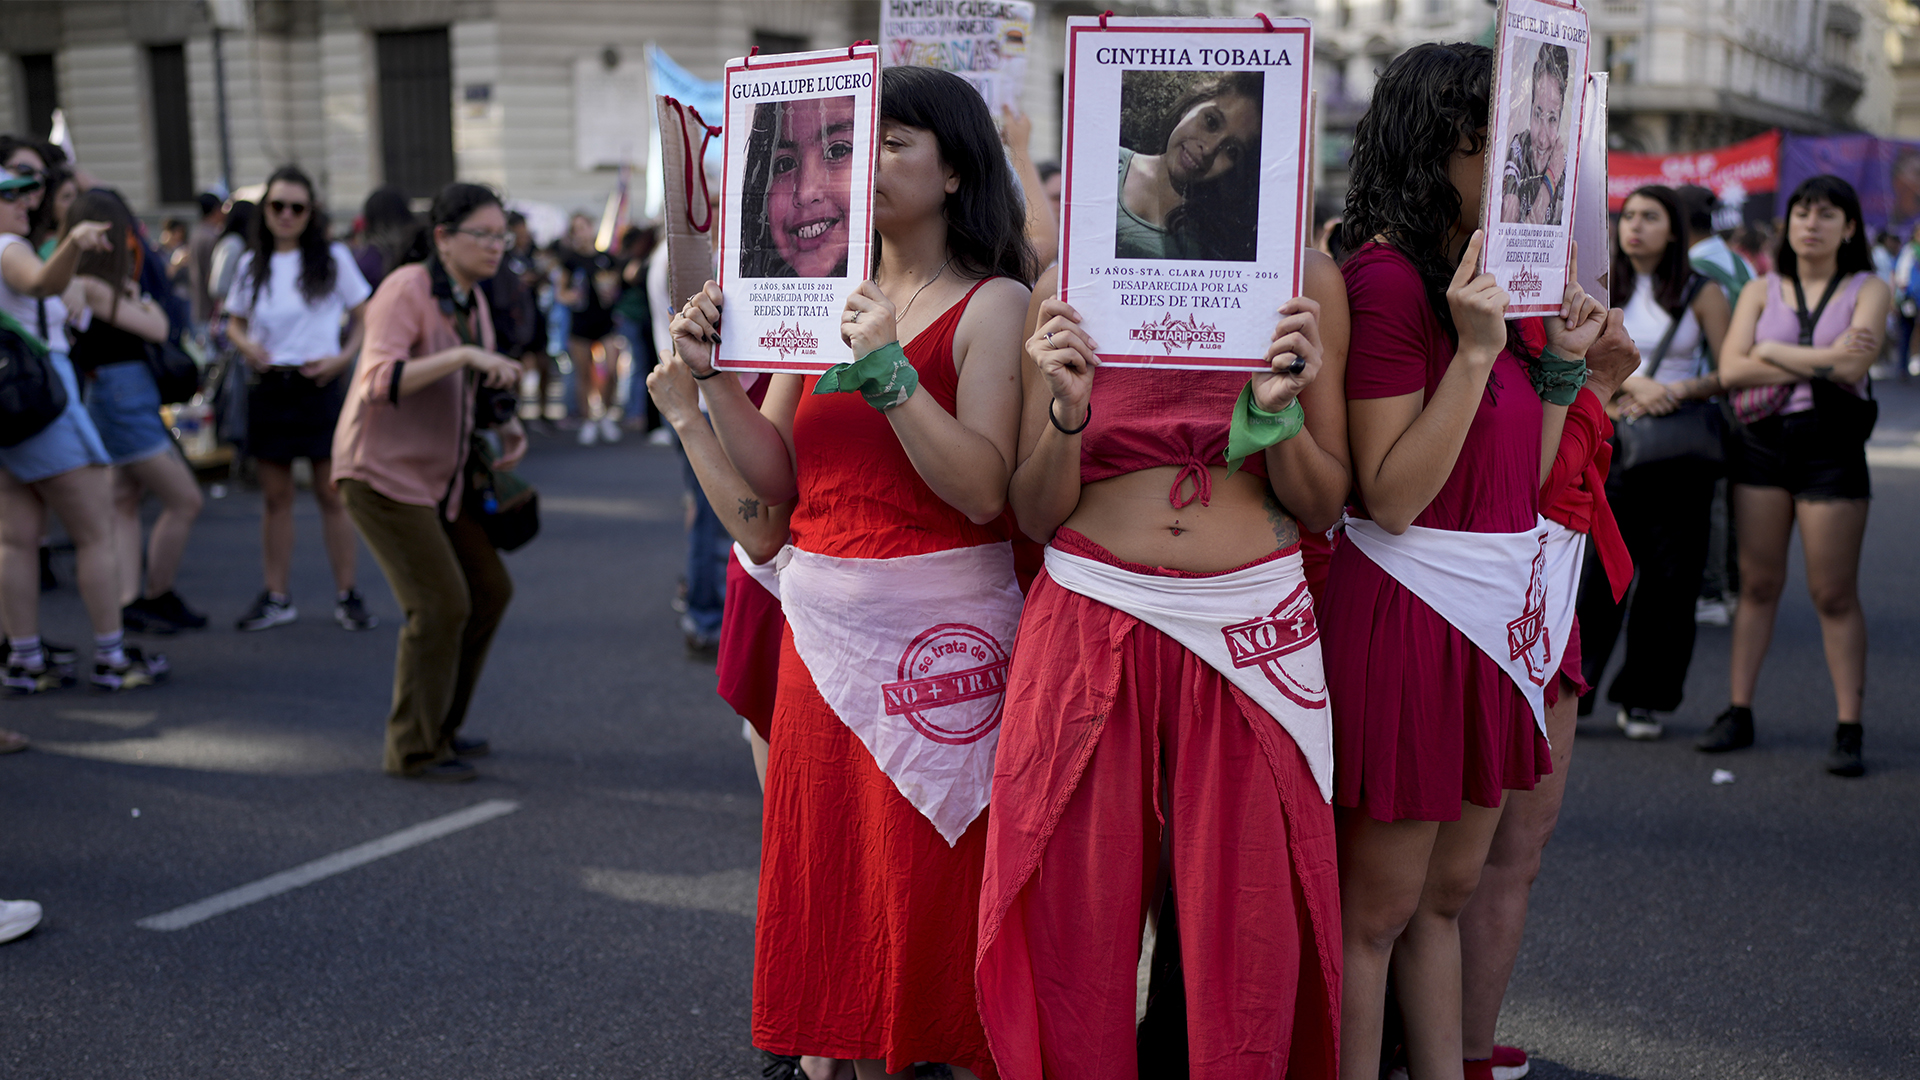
[1543, 119]
[1211, 138]
[1189, 168]
[810, 183]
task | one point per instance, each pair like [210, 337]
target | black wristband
[708, 375]
[1066, 431]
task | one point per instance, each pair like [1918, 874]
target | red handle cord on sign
[686, 145]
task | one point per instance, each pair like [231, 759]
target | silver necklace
[921, 289]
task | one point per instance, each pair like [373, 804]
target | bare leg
[276, 523]
[822, 1068]
[875, 1069]
[127, 495]
[1426, 959]
[23, 517]
[168, 477]
[1493, 922]
[581, 352]
[1383, 866]
[1831, 533]
[336, 528]
[84, 500]
[759, 746]
[1764, 521]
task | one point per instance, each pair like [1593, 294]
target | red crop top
[1143, 419]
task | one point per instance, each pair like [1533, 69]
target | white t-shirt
[1646, 322]
[24, 308]
[292, 330]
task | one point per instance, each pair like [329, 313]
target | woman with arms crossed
[865, 940]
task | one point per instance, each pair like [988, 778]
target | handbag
[174, 372]
[32, 396]
[1693, 431]
[506, 506]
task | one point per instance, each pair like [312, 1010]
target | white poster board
[1590, 199]
[797, 205]
[982, 41]
[610, 117]
[1186, 179]
[1539, 85]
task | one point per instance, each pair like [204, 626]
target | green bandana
[1556, 379]
[1254, 428]
[884, 377]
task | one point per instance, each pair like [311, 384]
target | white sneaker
[589, 433]
[1640, 725]
[1711, 613]
[609, 429]
[17, 917]
[661, 436]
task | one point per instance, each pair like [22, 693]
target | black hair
[515, 218]
[317, 272]
[1219, 217]
[986, 218]
[116, 264]
[41, 222]
[172, 223]
[1699, 204]
[1047, 170]
[1670, 276]
[1854, 255]
[1552, 61]
[240, 219]
[391, 226]
[50, 155]
[459, 201]
[209, 202]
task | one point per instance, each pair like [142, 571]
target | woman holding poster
[901, 602]
[1438, 650]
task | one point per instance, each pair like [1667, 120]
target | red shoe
[1477, 1070]
[1509, 1063]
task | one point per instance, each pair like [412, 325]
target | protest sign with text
[982, 41]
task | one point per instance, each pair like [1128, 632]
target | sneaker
[350, 611]
[609, 430]
[447, 771]
[170, 607]
[1712, 613]
[1844, 759]
[660, 436]
[17, 917]
[1731, 730]
[1639, 724]
[589, 433]
[21, 679]
[267, 613]
[61, 656]
[466, 748]
[140, 617]
[1510, 1063]
[135, 671]
[780, 1066]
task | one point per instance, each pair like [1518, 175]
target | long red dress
[865, 941]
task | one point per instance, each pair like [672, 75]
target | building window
[770, 43]
[416, 110]
[172, 131]
[1622, 51]
[42, 92]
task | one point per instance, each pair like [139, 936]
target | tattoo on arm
[749, 509]
[1285, 530]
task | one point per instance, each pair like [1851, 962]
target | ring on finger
[1049, 339]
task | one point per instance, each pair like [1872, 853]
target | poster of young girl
[797, 205]
[1185, 185]
[1533, 142]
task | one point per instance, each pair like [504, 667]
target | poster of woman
[796, 205]
[1184, 199]
[1533, 144]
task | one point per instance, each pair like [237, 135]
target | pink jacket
[410, 448]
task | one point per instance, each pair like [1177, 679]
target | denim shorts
[125, 406]
[69, 443]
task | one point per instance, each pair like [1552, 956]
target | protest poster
[1590, 198]
[982, 41]
[796, 205]
[688, 205]
[1185, 185]
[1539, 84]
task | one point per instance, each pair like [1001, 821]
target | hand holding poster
[1540, 81]
[797, 213]
[1185, 185]
[982, 41]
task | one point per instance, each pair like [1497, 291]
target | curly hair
[317, 272]
[1431, 101]
[1219, 216]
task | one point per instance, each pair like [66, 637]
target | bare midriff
[1133, 517]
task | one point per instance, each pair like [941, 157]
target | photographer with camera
[404, 455]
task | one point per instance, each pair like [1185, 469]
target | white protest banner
[1539, 82]
[1590, 199]
[1185, 185]
[797, 205]
[982, 41]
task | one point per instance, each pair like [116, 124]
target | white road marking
[339, 862]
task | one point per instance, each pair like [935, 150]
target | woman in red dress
[874, 828]
[1435, 651]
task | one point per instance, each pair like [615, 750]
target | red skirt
[748, 668]
[1422, 719]
[1107, 721]
[865, 941]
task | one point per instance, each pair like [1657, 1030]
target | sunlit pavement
[601, 926]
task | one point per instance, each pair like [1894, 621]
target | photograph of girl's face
[1211, 138]
[1543, 120]
[810, 183]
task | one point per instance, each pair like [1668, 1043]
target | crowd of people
[1283, 666]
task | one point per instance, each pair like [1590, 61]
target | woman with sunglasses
[290, 296]
[63, 467]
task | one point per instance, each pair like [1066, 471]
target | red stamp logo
[1527, 635]
[953, 679]
[1523, 284]
[789, 340]
[1173, 333]
[1263, 641]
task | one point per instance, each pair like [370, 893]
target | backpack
[1730, 280]
[32, 396]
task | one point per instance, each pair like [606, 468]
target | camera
[492, 406]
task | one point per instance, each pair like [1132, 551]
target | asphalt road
[603, 928]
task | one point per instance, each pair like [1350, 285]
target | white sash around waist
[766, 573]
[1566, 554]
[1492, 587]
[912, 655]
[1254, 626]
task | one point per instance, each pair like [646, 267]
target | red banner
[1731, 172]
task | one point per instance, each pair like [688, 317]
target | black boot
[1731, 730]
[1844, 759]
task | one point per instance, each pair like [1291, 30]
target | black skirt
[290, 416]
